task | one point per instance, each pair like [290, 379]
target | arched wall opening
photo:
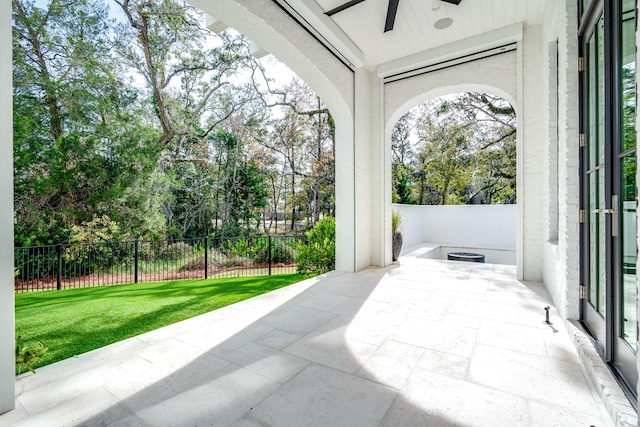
[498, 75]
[454, 177]
[328, 77]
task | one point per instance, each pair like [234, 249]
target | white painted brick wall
[560, 261]
[496, 75]
[534, 144]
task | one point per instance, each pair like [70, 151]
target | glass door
[624, 226]
[608, 184]
[595, 170]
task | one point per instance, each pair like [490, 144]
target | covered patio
[422, 342]
[425, 342]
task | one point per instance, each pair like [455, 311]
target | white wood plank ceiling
[414, 30]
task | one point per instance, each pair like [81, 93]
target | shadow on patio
[425, 342]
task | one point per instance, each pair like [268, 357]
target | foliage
[257, 249]
[28, 354]
[75, 321]
[302, 142]
[90, 243]
[629, 131]
[196, 262]
[157, 124]
[401, 185]
[459, 149]
[281, 252]
[99, 229]
[77, 145]
[176, 251]
[241, 190]
[237, 248]
[318, 255]
[396, 221]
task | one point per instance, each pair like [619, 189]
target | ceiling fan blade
[391, 15]
[342, 7]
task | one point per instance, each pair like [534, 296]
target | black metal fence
[66, 266]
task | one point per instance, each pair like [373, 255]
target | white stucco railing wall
[471, 226]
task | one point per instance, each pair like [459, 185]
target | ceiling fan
[391, 10]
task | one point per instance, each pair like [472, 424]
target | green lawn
[74, 321]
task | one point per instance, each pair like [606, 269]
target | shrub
[147, 251]
[27, 354]
[237, 248]
[216, 259]
[94, 244]
[196, 261]
[319, 254]
[175, 251]
[281, 253]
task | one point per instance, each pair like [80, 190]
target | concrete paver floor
[423, 343]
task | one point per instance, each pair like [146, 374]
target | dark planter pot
[396, 245]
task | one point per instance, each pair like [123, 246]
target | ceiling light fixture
[443, 23]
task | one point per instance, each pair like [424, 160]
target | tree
[154, 123]
[244, 190]
[445, 156]
[77, 146]
[495, 179]
[189, 84]
[456, 149]
[305, 138]
[401, 150]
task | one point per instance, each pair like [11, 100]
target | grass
[74, 321]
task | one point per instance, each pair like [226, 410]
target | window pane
[593, 242]
[628, 242]
[600, 83]
[592, 103]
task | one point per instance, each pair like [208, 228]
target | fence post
[59, 272]
[135, 261]
[206, 257]
[269, 252]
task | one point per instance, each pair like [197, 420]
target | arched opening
[454, 176]
[327, 76]
[496, 75]
[208, 152]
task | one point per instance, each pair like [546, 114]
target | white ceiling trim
[451, 63]
[326, 27]
[471, 45]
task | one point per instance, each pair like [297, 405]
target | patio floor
[422, 343]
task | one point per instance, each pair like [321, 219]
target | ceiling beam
[345, 6]
[391, 15]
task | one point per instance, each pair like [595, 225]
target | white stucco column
[372, 174]
[345, 191]
[7, 328]
[531, 149]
